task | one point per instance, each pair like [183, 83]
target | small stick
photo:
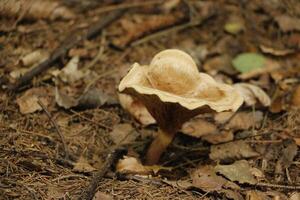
[127, 6]
[56, 128]
[288, 187]
[67, 44]
[90, 191]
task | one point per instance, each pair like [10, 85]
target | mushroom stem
[158, 146]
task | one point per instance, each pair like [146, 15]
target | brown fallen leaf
[70, 73]
[245, 120]
[240, 121]
[288, 23]
[123, 134]
[28, 102]
[296, 97]
[294, 196]
[82, 165]
[198, 127]
[92, 98]
[102, 196]
[239, 171]
[224, 136]
[55, 192]
[231, 194]
[219, 64]
[34, 57]
[278, 104]
[288, 153]
[130, 165]
[141, 25]
[275, 52]
[252, 94]
[35, 9]
[232, 151]
[256, 195]
[206, 179]
[136, 109]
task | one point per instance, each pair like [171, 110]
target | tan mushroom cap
[173, 77]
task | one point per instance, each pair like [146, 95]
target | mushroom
[173, 91]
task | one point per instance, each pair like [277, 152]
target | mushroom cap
[173, 77]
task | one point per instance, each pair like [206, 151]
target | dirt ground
[63, 130]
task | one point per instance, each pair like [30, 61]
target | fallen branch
[69, 42]
[90, 191]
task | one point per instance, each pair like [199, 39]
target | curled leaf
[131, 165]
[252, 94]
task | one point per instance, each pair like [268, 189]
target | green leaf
[247, 62]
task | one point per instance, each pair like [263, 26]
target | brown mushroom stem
[158, 146]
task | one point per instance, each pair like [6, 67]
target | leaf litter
[258, 142]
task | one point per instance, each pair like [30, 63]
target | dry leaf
[34, 57]
[238, 171]
[92, 98]
[296, 97]
[222, 117]
[82, 165]
[275, 52]
[234, 195]
[64, 100]
[206, 179]
[102, 196]
[245, 120]
[232, 151]
[136, 109]
[219, 64]
[252, 94]
[294, 196]
[35, 9]
[55, 192]
[70, 73]
[224, 136]
[256, 195]
[28, 102]
[143, 26]
[123, 134]
[278, 104]
[289, 152]
[287, 23]
[131, 165]
[198, 127]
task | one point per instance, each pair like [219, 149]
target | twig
[288, 187]
[127, 6]
[90, 191]
[69, 176]
[68, 43]
[56, 128]
[90, 120]
[163, 32]
[99, 54]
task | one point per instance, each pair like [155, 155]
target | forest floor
[63, 131]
